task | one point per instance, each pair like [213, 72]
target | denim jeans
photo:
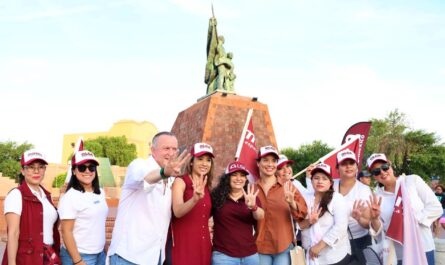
[118, 260]
[219, 258]
[282, 258]
[89, 259]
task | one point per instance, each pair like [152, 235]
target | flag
[352, 144]
[413, 249]
[361, 129]
[395, 228]
[247, 152]
[77, 147]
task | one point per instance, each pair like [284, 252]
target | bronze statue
[219, 75]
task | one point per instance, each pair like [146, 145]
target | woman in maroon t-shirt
[235, 209]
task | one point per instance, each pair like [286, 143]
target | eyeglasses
[378, 171]
[33, 169]
[83, 168]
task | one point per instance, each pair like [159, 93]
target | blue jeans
[89, 259]
[219, 258]
[282, 258]
[118, 260]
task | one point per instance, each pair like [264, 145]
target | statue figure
[219, 73]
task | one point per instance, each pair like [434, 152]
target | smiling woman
[32, 236]
[83, 211]
[191, 208]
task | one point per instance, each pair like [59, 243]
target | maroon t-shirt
[233, 229]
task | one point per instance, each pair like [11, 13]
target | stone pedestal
[219, 120]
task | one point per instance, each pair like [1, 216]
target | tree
[59, 180]
[117, 149]
[305, 155]
[410, 151]
[10, 153]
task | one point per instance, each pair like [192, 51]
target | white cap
[346, 154]
[283, 160]
[200, 149]
[322, 167]
[82, 157]
[268, 150]
[32, 155]
[376, 157]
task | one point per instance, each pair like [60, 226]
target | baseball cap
[236, 166]
[322, 167]
[81, 157]
[344, 155]
[32, 155]
[200, 149]
[283, 160]
[364, 173]
[376, 157]
[267, 150]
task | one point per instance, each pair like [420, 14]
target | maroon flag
[331, 158]
[247, 152]
[395, 228]
[361, 129]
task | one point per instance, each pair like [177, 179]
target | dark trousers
[357, 246]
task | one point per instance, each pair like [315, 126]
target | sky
[320, 65]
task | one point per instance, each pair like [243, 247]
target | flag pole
[353, 138]
[243, 134]
[76, 148]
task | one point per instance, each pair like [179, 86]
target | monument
[218, 117]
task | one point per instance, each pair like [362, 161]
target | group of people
[169, 212]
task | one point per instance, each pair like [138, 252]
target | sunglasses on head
[378, 171]
[82, 168]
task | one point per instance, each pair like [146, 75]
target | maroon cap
[235, 167]
[200, 149]
[32, 155]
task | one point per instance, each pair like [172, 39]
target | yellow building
[138, 133]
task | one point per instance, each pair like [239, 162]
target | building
[138, 133]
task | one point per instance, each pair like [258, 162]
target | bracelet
[163, 176]
[254, 208]
[78, 261]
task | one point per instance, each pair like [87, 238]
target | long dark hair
[20, 178]
[220, 194]
[189, 170]
[75, 183]
[326, 198]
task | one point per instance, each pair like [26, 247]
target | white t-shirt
[13, 204]
[89, 210]
[333, 227]
[359, 191]
[143, 216]
[425, 206]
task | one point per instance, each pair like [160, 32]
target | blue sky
[321, 66]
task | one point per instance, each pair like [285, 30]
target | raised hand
[314, 214]
[250, 196]
[358, 209]
[174, 167]
[199, 184]
[309, 170]
[374, 204]
[289, 193]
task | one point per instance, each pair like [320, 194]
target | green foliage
[59, 180]
[10, 153]
[410, 151]
[305, 155]
[117, 149]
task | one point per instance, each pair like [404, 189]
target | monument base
[218, 119]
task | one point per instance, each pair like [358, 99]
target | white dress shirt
[424, 204]
[333, 227]
[143, 216]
